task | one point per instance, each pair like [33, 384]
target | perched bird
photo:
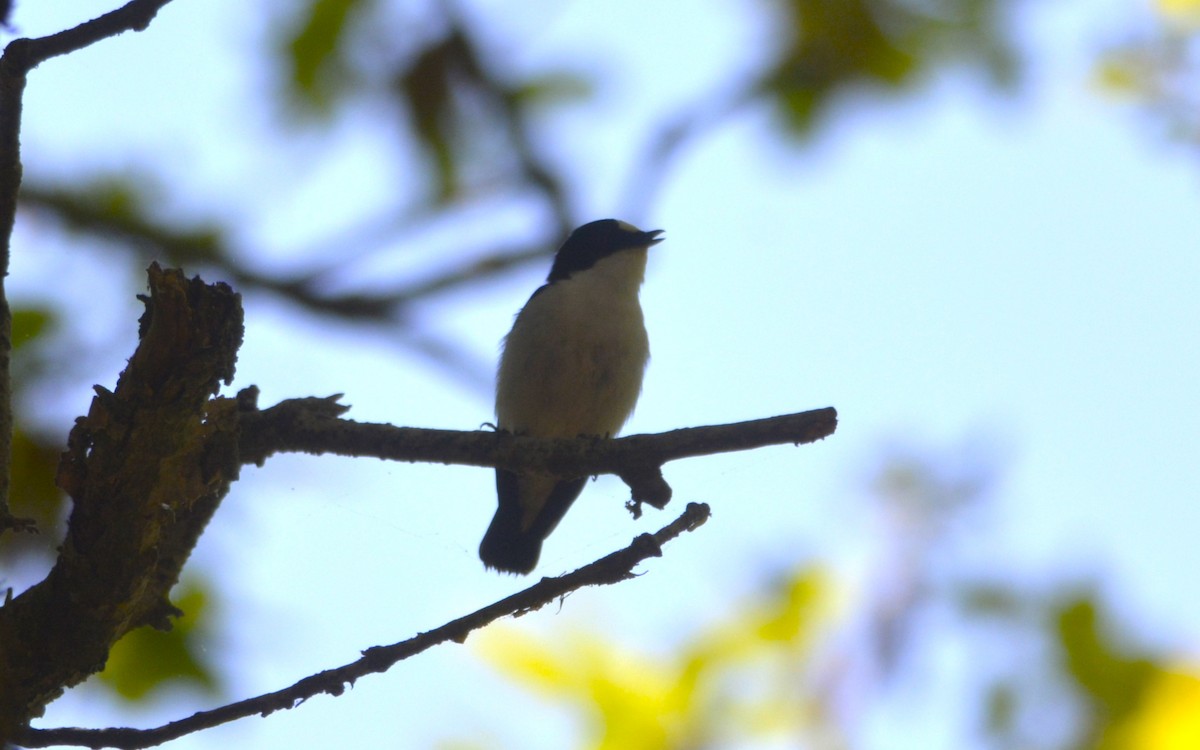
[571, 366]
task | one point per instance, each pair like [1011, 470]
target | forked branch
[150, 463]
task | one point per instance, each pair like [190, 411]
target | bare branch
[613, 568]
[310, 426]
[150, 463]
[19, 57]
[23, 55]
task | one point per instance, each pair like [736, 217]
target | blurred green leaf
[34, 495]
[836, 45]
[117, 197]
[28, 323]
[427, 85]
[1156, 67]
[1113, 680]
[35, 456]
[146, 659]
[314, 53]
[553, 88]
[1168, 717]
[432, 87]
[1001, 708]
[794, 608]
[984, 599]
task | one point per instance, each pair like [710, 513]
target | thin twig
[613, 568]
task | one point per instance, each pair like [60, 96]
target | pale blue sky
[946, 268]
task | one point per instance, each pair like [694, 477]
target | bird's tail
[512, 544]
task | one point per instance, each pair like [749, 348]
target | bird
[571, 366]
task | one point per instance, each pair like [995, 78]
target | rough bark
[146, 469]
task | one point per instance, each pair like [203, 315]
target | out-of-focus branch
[514, 118]
[88, 210]
[195, 248]
[207, 249]
[610, 569]
[667, 141]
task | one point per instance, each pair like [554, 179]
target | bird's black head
[595, 241]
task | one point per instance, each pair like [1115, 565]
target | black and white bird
[572, 366]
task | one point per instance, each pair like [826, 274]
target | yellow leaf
[1184, 12]
[527, 659]
[742, 677]
[1169, 716]
[1119, 76]
[633, 702]
[789, 617]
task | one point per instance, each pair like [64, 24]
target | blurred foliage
[787, 669]
[459, 107]
[34, 493]
[1168, 716]
[435, 86]
[1157, 67]
[481, 125]
[29, 323]
[462, 103]
[146, 660]
[780, 664]
[737, 679]
[315, 53]
[884, 45]
[1112, 681]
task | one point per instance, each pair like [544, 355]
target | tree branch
[613, 568]
[314, 426]
[146, 469]
[21, 56]
[149, 464]
[207, 247]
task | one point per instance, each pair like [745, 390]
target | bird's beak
[652, 237]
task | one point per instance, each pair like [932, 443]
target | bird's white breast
[574, 361]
